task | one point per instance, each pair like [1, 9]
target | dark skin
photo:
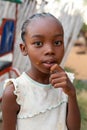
[45, 47]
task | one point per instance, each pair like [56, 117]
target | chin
[46, 72]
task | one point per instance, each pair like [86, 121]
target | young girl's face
[44, 44]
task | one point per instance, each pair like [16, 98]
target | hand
[59, 79]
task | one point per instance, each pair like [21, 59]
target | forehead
[45, 24]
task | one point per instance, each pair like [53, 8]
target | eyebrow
[58, 35]
[41, 36]
[36, 35]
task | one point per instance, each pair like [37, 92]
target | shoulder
[9, 108]
[8, 92]
[9, 99]
[14, 90]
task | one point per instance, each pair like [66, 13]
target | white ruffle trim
[16, 91]
[30, 115]
[71, 76]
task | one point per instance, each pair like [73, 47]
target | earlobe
[23, 49]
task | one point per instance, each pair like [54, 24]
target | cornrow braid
[23, 29]
[37, 15]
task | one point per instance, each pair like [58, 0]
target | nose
[49, 50]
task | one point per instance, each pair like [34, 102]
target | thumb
[56, 68]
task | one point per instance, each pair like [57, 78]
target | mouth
[49, 63]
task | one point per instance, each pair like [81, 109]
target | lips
[49, 63]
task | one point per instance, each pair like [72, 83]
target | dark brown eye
[38, 44]
[58, 43]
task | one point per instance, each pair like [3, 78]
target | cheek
[33, 57]
[60, 55]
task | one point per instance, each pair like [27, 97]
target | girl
[43, 98]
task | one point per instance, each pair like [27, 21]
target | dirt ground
[77, 61]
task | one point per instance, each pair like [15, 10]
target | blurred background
[73, 16]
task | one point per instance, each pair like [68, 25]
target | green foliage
[84, 27]
[81, 88]
[80, 85]
[68, 69]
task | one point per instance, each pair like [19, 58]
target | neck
[39, 77]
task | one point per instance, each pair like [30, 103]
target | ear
[23, 49]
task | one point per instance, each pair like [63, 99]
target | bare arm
[9, 109]
[73, 115]
[61, 79]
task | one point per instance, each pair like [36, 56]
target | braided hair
[37, 15]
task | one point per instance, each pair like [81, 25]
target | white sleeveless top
[42, 107]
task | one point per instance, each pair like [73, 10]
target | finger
[60, 85]
[58, 80]
[55, 68]
[57, 75]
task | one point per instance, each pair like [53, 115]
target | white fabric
[42, 107]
